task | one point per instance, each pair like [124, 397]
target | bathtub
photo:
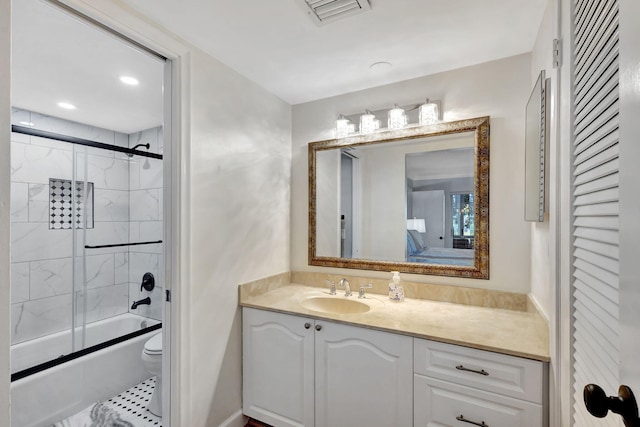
[50, 347]
[53, 394]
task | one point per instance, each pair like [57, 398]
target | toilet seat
[154, 345]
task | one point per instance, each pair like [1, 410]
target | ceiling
[273, 43]
[56, 58]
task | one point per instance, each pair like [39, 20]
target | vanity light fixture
[416, 224]
[397, 119]
[343, 127]
[128, 80]
[429, 113]
[66, 106]
[368, 123]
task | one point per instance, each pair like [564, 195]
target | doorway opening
[89, 121]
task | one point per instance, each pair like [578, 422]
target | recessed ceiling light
[129, 80]
[27, 123]
[66, 106]
[380, 66]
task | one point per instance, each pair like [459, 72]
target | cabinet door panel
[442, 404]
[278, 368]
[363, 377]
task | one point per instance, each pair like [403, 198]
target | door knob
[598, 404]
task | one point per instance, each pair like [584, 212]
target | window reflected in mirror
[462, 220]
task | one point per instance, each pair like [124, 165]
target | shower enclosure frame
[80, 349]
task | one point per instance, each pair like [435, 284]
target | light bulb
[368, 123]
[429, 113]
[397, 118]
[342, 126]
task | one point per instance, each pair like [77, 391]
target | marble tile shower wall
[41, 258]
[145, 201]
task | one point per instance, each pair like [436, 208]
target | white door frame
[116, 19]
[560, 381]
[5, 179]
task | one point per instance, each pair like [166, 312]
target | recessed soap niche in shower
[69, 204]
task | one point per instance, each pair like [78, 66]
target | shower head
[147, 146]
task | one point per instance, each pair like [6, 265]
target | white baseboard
[235, 420]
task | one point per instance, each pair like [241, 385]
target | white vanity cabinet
[456, 386]
[305, 372]
[278, 368]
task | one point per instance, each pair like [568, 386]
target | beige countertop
[517, 333]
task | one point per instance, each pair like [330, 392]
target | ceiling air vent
[325, 11]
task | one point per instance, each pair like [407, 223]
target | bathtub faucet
[146, 301]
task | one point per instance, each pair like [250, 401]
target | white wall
[499, 89]
[550, 240]
[541, 258]
[239, 204]
[545, 259]
[5, 167]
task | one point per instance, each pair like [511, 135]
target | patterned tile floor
[129, 408]
[132, 405]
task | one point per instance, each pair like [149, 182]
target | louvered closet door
[596, 203]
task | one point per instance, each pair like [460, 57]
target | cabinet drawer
[485, 370]
[439, 404]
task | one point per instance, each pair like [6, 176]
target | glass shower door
[102, 233]
[41, 247]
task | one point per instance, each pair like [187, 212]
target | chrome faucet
[344, 283]
[332, 287]
[362, 288]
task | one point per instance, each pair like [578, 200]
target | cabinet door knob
[318, 327]
[307, 325]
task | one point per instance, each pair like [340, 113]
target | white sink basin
[336, 305]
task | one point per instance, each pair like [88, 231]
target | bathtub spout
[146, 301]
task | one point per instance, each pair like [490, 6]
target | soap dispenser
[396, 292]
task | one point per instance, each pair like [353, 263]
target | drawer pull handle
[307, 325]
[480, 372]
[464, 420]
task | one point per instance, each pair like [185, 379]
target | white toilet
[152, 360]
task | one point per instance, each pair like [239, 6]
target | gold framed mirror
[414, 200]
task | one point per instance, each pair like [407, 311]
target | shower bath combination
[87, 265]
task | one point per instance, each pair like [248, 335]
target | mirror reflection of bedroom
[440, 206]
[404, 201]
